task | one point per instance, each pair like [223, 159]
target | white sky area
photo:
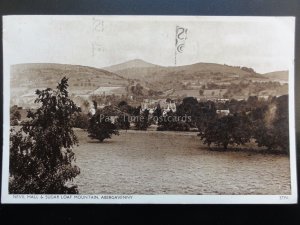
[263, 43]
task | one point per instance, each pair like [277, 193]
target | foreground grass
[151, 162]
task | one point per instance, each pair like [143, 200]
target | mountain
[278, 75]
[83, 80]
[137, 77]
[216, 80]
[136, 63]
[160, 77]
[48, 74]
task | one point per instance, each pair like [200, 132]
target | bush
[174, 126]
[81, 120]
[41, 156]
[101, 127]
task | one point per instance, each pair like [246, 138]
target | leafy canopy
[41, 156]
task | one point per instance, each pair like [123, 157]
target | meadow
[152, 162]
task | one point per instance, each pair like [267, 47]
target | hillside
[278, 75]
[145, 80]
[215, 80]
[83, 80]
[136, 63]
[48, 72]
[162, 78]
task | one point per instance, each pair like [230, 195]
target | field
[151, 162]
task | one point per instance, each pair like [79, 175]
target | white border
[150, 199]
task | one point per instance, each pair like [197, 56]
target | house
[165, 105]
[223, 112]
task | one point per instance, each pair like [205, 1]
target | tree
[281, 123]
[191, 108]
[15, 115]
[205, 114]
[172, 122]
[101, 126]
[124, 113]
[41, 156]
[142, 120]
[272, 125]
[137, 89]
[227, 130]
[122, 104]
[80, 120]
[157, 114]
[123, 122]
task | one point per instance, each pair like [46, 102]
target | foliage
[15, 115]
[101, 127]
[206, 114]
[227, 130]
[126, 108]
[157, 114]
[123, 122]
[173, 123]
[80, 120]
[137, 90]
[142, 121]
[273, 132]
[41, 156]
[189, 107]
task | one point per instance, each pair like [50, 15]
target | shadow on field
[98, 142]
[262, 151]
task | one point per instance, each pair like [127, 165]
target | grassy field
[151, 162]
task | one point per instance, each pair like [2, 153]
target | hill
[136, 63]
[36, 74]
[83, 80]
[214, 80]
[278, 75]
[161, 78]
[140, 79]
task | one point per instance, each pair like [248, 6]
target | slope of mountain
[48, 74]
[199, 80]
[83, 80]
[160, 77]
[136, 63]
[278, 75]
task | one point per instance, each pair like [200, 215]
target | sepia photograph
[148, 109]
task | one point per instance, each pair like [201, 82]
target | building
[223, 112]
[166, 105]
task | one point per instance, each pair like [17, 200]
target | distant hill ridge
[280, 75]
[57, 67]
[166, 77]
[176, 79]
[135, 63]
[26, 78]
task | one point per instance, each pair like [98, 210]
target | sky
[264, 43]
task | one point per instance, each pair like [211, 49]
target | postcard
[148, 109]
